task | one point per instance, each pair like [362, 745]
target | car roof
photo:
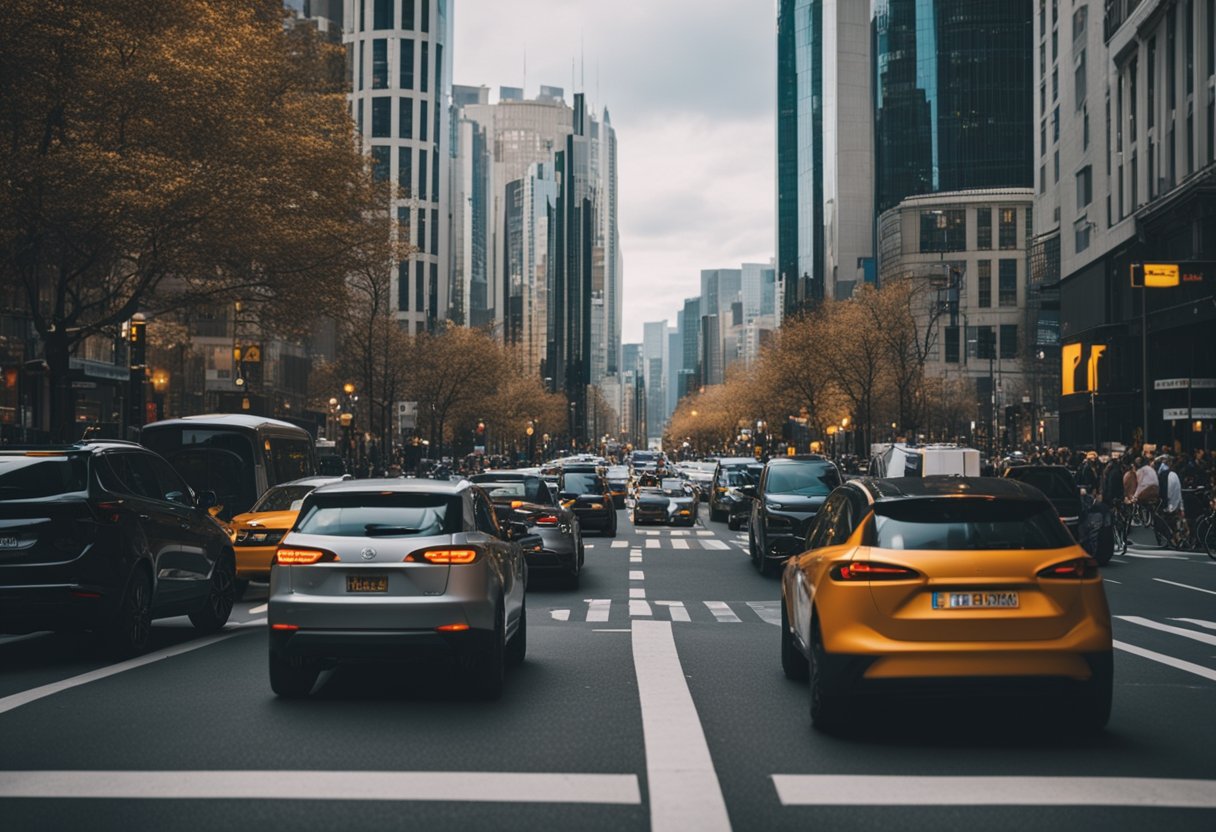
[315, 482]
[399, 485]
[778, 460]
[505, 476]
[913, 488]
[237, 420]
[736, 460]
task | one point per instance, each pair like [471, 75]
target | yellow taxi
[944, 584]
[256, 533]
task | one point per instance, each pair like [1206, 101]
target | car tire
[517, 648]
[130, 629]
[487, 663]
[717, 514]
[292, 678]
[733, 524]
[751, 544]
[793, 663]
[221, 594]
[827, 707]
[1093, 710]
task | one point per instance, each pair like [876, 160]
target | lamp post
[137, 345]
[347, 419]
[160, 383]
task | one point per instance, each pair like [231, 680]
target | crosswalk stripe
[559, 615]
[638, 607]
[679, 532]
[714, 544]
[637, 592]
[679, 543]
[705, 533]
[651, 543]
[678, 612]
[1198, 622]
[620, 544]
[1166, 628]
[769, 611]
[636, 575]
[598, 609]
[722, 612]
[588, 545]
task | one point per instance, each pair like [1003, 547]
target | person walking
[1170, 489]
[1147, 490]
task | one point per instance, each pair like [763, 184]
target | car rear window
[380, 515]
[282, 498]
[805, 479]
[580, 483]
[37, 477]
[966, 525]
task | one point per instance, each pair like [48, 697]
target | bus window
[288, 459]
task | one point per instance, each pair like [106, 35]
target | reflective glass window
[983, 227]
[984, 284]
[382, 117]
[1008, 278]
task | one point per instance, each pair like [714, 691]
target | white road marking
[683, 787]
[619, 630]
[678, 612]
[722, 612]
[649, 531]
[1109, 581]
[899, 790]
[639, 607]
[636, 575]
[1184, 586]
[705, 533]
[679, 543]
[588, 545]
[637, 592]
[259, 608]
[598, 609]
[1152, 557]
[1179, 664]
[635, 553]
[16, 700]
[1166, 628]
[652, 543]
[559, 615]
[679, 532]
[620, 544]
[456, 786]
[715, 544]
[638, 559]
[769, 611]
[1198, 622]
[743, 547]
[26, 637]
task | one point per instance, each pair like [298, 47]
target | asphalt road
[652, 697]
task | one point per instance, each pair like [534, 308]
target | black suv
[791, 491]
[106, 536]
[582, 490]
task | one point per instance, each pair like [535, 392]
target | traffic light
[481, 428]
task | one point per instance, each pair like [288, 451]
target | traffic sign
[253, 354]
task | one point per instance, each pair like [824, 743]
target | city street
[652, 697]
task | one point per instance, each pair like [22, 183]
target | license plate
[974, 600]
[367, 583]
[9, 543]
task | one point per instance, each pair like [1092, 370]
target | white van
[903, 460]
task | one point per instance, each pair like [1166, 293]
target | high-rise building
[325, 15]
[655, 346]
[399, 69]
[720, 288]
[825, 207]
[690, 327]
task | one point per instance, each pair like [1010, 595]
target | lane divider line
[677, 610]
[1177, 664]
[1167, 628]
[1184, 586]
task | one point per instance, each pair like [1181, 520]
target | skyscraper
[399, 69]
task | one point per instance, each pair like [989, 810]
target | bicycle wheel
[1207, 536]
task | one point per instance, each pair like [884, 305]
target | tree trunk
[63, 405]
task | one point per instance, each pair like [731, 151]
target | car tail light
[547, 520]
[108, 511]
[440, 556]
[864, 570]
[452, 628]
[1085, 567]
[292, 556]
[291, 627]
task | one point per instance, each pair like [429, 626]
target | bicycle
[1131, 517]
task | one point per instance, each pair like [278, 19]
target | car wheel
[294, 677]
[517, 648]
[130, 630]
[1093, 711]
[751, 544]
[827, 709]
[487, 662]
[733, 523]
[221, 594]
[793, 663]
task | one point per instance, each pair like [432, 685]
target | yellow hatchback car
[944, 585]
[256, 533]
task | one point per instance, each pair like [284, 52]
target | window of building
[1043, 59]
[419, 285]
[1009, 340]
[407, 14]
[1008, 238]
[432, 310]
[951, 344]
[983, 339]
[422, 180]
[1055, 84]
[425, 65]
[1080, 20]
[1042, 18]
[1211, 29]
[426, 16]
[422, 119]
[381, 164]
[421, 241]
[1189, 27]
[1043, 137]
[405, 171]
[1042, 179]
[403, 286]
[1132, 69]
[358, 105]
[1171, 57]
[435, 171]
[1085, 128]
[983, 227]
[984, 283]
[382, 117]
[1079, 81]
[405, 118]
[1135, 175]
[1056, 167]
[943, 230]
[361, 43]
[1008, 283]
[434, 230]
[382, 15]
[1055, 44]
[1151, 82]
[407, 64]
[379, 64]
[1043, 98]
[1081, 234]
[1085, 186]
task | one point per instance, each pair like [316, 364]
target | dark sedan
[526, 498]
[790, 494]
[674, 502]
[1058, 485]
[585, 492]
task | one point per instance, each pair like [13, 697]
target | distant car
[901, 459]
[586, 493]
[789, 495]
[257, 532]
[107, 536]
[1059, 486]
[617, 477]
[525, 498]
[673, 502]
[389, 569]
[729, 475]
[925, 586]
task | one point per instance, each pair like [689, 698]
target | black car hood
[796, 503]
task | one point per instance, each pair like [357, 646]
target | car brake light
[291, 556]
[1085, 567]
[439, 556]
[868, 571]
[547, 520]
[452, 628]
[284, 626]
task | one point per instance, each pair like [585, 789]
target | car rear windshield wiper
[377, 529]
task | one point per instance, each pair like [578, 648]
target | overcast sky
[690, 87]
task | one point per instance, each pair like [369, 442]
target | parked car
[104, 535]
[789, 495]
[940, 584]
[1058, 485]
[525, 498]
[585, 492]
[393, 568]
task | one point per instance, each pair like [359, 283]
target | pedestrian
[1170, 489]
[1147, 490]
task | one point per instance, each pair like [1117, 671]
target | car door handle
[145, 517]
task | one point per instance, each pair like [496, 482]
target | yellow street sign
[253, 354]
[1161, 275]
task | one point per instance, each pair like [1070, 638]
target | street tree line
[862, 359]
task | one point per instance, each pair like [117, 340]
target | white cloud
[690, 86]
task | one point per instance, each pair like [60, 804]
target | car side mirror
[748, 491]
[206, 500]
